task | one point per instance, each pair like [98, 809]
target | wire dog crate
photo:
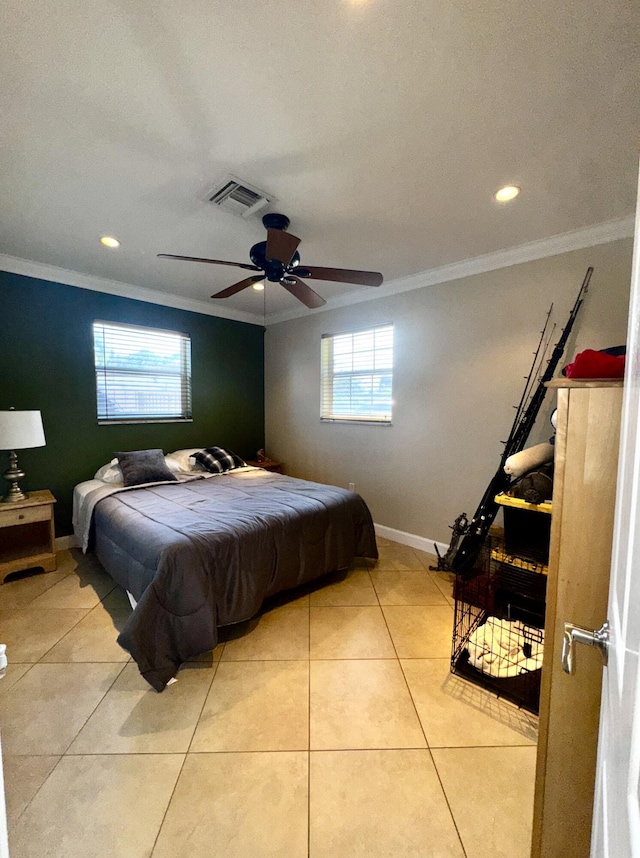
[498, 634]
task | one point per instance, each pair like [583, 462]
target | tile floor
[330, 726]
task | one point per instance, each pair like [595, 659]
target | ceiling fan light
[259, 287]
[109, 241]
[507, 193]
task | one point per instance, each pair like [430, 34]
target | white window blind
[357, 369]
[142, 374]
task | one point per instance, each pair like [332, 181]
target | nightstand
[27, 534]
[267, 465]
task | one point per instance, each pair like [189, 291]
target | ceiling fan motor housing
[273, 220]
[273, 268]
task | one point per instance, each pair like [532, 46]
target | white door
[616, 820]
[4, 842]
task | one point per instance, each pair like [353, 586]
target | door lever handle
[576, 634]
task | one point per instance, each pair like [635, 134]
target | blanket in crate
[504, 648]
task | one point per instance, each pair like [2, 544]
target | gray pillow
[144, 466]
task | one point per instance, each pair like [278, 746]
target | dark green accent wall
[46, 363]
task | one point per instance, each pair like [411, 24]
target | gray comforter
[206, 553]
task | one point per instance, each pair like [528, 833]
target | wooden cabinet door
[581, 536]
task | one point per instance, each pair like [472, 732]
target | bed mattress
[205, 553]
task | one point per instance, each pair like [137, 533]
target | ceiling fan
[279, 261]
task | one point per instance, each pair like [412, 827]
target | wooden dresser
[586, 460]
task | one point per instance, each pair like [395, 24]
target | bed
[206, 551]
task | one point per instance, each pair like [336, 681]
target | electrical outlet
[352, 487]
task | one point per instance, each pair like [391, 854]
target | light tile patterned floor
[328, 727]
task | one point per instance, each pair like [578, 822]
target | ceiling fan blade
[302, 292]
[281, 245]
[238, 287]
[213, 261]
[341, 275]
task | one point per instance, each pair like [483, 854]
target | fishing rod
[532, 372]
[529, 417]
[461, 524]
[478, 528]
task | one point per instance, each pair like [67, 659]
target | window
[357, 368]
[142, 374]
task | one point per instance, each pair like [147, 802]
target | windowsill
[360, 421]
[145, 420]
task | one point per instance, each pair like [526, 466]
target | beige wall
[461, 351]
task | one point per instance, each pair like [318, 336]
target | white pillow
[109, 473]
[173, 465]
[184, 460]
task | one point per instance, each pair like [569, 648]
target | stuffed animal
[529, 459]
[532, 469]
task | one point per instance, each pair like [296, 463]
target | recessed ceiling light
[259, 286]
[509, 192]
[109, 241]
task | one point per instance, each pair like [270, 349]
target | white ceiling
[383, 127]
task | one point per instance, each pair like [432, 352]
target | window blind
[357, 369]
[142, 374]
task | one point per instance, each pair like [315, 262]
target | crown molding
[554, 245]
[42, 271]
[590, 236]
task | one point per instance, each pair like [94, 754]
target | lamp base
[12, 475]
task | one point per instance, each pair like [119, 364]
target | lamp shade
[20, 430]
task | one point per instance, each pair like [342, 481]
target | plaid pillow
[218, 460]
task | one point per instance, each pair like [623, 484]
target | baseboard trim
[63, 542]
[422, 543]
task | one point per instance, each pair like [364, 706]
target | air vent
[239, 197]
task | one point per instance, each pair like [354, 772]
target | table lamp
[19, 430]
